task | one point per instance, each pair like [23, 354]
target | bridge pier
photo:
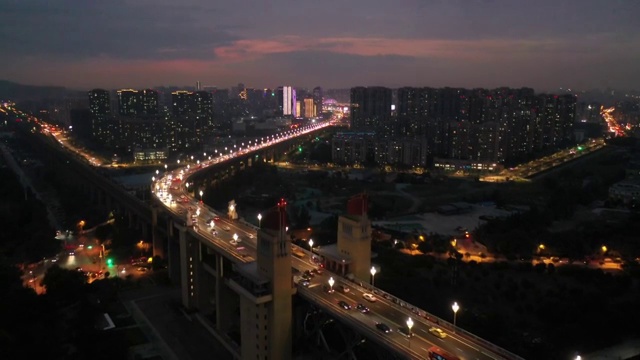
[156, 239]
[225, 298]
[188, 258]
[173, 260]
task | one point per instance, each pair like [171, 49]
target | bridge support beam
[156, 239]
[188, 258]
[226, 299]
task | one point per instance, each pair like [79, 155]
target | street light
[259, 220]
[157, 172]
[201, 195]
[331, 282]
[235, 237]
[373, 275]
[311, 244]
[455, 309]
[578, 357]
[409, 326]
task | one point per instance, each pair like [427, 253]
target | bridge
[244, 275]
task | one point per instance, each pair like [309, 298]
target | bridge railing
[364, 285]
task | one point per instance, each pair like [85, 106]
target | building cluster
[627, 191]
[415, 125]
[152, 123]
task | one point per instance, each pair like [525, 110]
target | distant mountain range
[18, 92]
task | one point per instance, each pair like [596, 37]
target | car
[369, 297]
[383, 327]
[327, 289]
[233, 242]
[250, 236]
[226, 228]
[363, 309]
[344, 305]
[343, 289]
[305, 283]
[306, 276]
[309, 273]
[405, 332]
[142, 269]
[216, 218]
[438, 332]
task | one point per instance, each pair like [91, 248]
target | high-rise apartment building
[104, 127]
[137, 102]
[370, 108]
[317, 100]
[99, 102]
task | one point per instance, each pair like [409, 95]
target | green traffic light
[109, 262]
[300, 149]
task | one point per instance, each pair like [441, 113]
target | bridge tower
[354, 236]
[266, 322]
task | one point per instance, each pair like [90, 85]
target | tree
[64, 285]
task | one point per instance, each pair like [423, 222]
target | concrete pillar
[226, 299]
[188, 269]
[156, 239]
[206, 285]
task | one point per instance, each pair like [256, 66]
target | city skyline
[545, 45]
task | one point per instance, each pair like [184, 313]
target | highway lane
[390, 314]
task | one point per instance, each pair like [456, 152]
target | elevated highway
[216, 263]
[236, 241]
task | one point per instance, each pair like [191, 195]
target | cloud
[471, 50]
[74, 30]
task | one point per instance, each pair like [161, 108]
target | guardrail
[422, 314]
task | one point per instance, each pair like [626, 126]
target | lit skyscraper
[288, 101]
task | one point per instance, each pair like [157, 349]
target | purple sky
[543, 44]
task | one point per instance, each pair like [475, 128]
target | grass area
[531, 311]
[133, 336]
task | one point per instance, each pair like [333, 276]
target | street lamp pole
[373, 276]
[331, 282]
[455, 309]
[259, 220]
[409, 326]
[311, 245]
[201, 195]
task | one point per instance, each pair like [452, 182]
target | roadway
[171, 192]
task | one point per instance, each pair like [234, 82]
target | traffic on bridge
[405, 330]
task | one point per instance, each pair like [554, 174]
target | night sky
[544, 44]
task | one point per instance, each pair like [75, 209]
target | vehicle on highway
[383, 327]
[327, 289]
[363, 309]
[216, 218]
[309, 273]
[369, 297]
[343, 289]
[250, 236]
[226, 228]
[142, 269]
[405, 332]
[344, 305]
[317, 271]
[435, 353]
[438, 332]
[233, 242]
[305, 283]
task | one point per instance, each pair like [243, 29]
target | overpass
[225, 262]
[216, 249]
